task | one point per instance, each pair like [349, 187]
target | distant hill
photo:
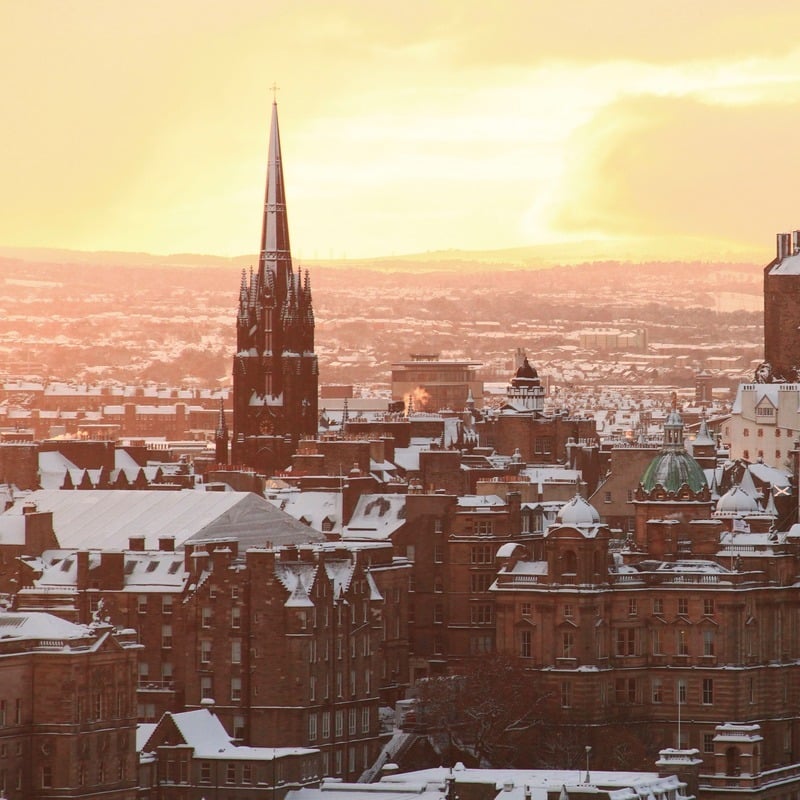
[535, 257]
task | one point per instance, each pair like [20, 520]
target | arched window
[570, 563]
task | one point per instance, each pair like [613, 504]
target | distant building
[764, 422]
[275, 371]
[782, 312]
[429, 383]
[521, 424]
[610, 340]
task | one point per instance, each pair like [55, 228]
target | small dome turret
[578, 513]
[736, 502]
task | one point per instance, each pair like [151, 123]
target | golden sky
[664, 127]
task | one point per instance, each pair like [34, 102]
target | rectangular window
[312, 727]
[626, 691]
[480, 614]
[365, 719]
[247, 773]
[236, 651]
[683, 606]
[206, 688]
[525, 644]
[236, 617]
[657, 693]
[569, 612]
[166, 636]
[708, 642]
[141, 603]
[438, 553]
[708, 606]
[567, 644]
[236, 689]
[480, 582]
[339, 723]
[682, 692]
[633, 607]
[480, 644]
[658, 606]
[526, 610]
[230, 773]
[682, 643]
[205, 651]
[566, 694]
[708, 742]
[481, 554]
[626, 641]
[205, 772]
[708, 691]
[166, 604]
[438, 613]
[326, 724]
[607, 497]
[484, 527]
[656, 639]
[352, 720]
[206, 617]
[47, 776]
[238, 727]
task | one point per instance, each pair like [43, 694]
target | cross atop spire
[274, 89]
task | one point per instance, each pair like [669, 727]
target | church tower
[275, 371]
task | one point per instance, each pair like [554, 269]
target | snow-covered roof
[203, 731]
[145, 571]
[107, 519]
[39, 625]
[376, 516]
[320, 510]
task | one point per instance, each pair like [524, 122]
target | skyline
[659, 132]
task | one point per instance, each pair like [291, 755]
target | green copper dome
[671, 469]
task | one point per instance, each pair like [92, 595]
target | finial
[274, 89]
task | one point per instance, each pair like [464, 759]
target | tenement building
[275, 371]
[296, 646]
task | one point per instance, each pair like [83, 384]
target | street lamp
[588, 751]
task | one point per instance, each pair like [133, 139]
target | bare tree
[491, 709]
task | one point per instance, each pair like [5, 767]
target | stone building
[298, 646]
[190, 754]
[520, 424]
[782, 312]
[67, 709]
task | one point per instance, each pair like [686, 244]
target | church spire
[275, 254]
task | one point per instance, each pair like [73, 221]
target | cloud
[677, 166]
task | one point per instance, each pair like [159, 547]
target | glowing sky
[406, 126]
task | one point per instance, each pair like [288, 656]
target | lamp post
[588, 751]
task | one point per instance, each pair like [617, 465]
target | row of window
[630, 691]
[627, 642]
[324, 719]
[682, 607]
